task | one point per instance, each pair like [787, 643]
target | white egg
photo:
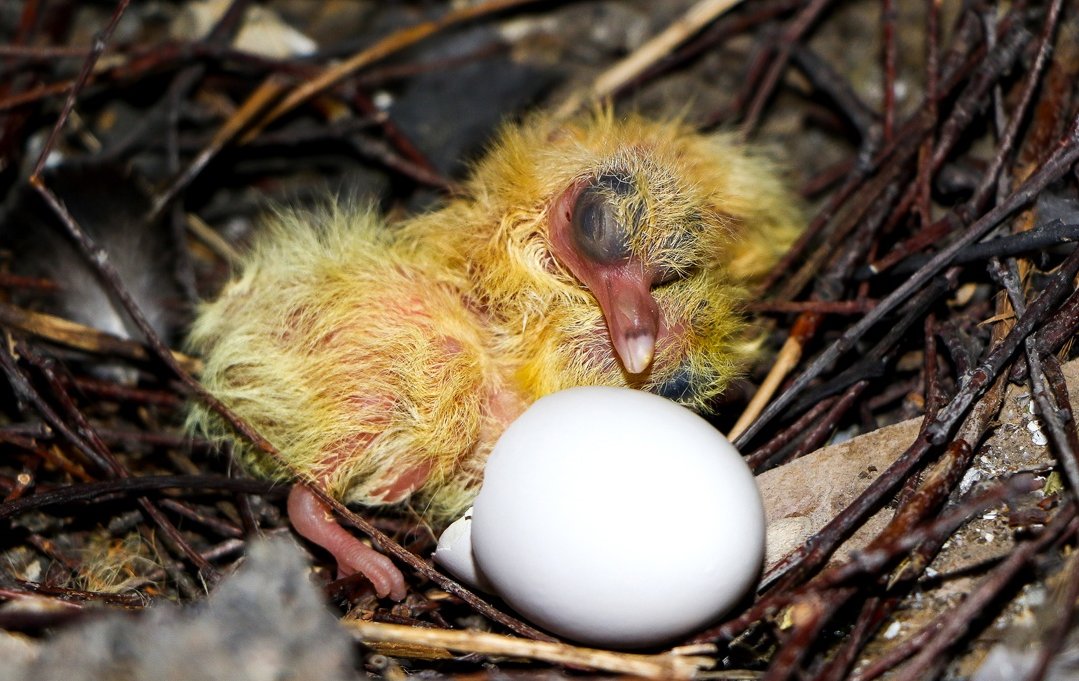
[617, 518]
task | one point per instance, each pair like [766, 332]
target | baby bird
[384, 360]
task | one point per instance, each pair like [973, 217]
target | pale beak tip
[638, 352]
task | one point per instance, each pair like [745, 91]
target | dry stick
[99, 455]
[871, 156]
[268, 92]
[820, 546]
[900, 537]
[100, 41]
[1059, 388]
[1058, 163]
[43, 52]
[401, 141]
[837, 307]
[875, 361]
[826, 80]
[922, 184]
[1009, 137]
[96, 387]
[932, 492]
[24, 390]
[1045, 236]
[252, 116]
[69, 595]
[888, 21]
[761, 458]
[1056, 332]
[754, 14]
[1053, 641]
[52, 455]
[95, 492]
[88, 433]
[869, 563]
[971, 101]
[1058, 417]
[793, 33]
[217, 525]
[944, 476]
[221, 34]
[81, 337]
[875, 610]
[808, 616]
[945, 632]
[933, 393]
[696, 17]
[985, 371]
[383, 153]
[9, 280]
[1031, 83]
[819, 433]
[886, 184]
[785, 361]
[212, 240]
[869, 620]
[662, 666]
[970, 432]
[380, 50]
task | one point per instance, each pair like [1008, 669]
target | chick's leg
[314, 521]
[412, 383]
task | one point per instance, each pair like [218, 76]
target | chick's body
[385, 360]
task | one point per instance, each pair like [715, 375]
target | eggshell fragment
[454, 553]
[617, 518]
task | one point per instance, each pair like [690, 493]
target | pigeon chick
[384, 360]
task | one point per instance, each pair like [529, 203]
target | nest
[914, 432]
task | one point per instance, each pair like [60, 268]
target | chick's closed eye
[654, 231]
[597, 230]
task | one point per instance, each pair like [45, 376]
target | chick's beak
[631, 312]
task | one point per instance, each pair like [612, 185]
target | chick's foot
[314, 520]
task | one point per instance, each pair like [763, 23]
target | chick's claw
[314, 521]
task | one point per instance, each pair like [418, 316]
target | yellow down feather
[363, 349]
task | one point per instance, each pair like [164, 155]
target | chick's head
[621, 251]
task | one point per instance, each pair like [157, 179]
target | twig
[791, 35]
[80, 337]
[888, 73]
[952, 624]
[1059, 163]
[662, 666]
[380, 50]
[696, 17]
[1064, 614]
[98, 48]
[1052, 234]
[787, 358]
[98, 492]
